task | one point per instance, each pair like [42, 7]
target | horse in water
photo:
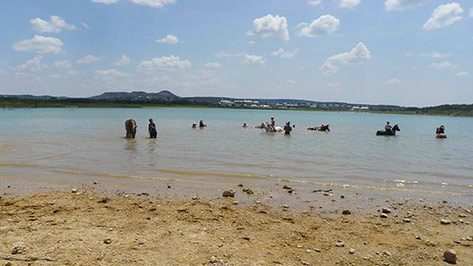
[130, 126]
[388, 133]
[320, 128]
[270, 129]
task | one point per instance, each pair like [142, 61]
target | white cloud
[39, 44]
[169, 39]
[435, 55]
[315, 2]
[441, 65]
[462, 74]
[164, 63]
[393, 82]
[154, 3]
[106, 2]
[89, 59]
[63, 64]
[253, 59]
[398, 5]
[349, 3]
[443, 16]
[54, 25]
[284, 54]
[213, 65]
[270, 27]
[110, 73]
[85, 25]
[325, 25]
[123, 61]
[357, 55]
[32, 65]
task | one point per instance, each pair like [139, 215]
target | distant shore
[89, 226]
[22, 105]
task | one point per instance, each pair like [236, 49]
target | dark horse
[320, 128]
[388, 133]
[130, 126]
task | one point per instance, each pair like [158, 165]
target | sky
[403, 52]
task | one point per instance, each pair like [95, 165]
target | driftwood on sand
[26, 259]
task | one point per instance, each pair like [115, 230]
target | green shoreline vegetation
[461, 110]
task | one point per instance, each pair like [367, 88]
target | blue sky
[407, 52]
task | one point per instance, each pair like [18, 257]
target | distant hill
[137, 96]
[163, 98]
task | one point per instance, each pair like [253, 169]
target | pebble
[342, 197]
[229, 193]
[285, 206]
[240, 185]
[304, 263]
[317, 250]
[352, 251]
[169, 186]
[386, 210]
[387, 253]
[450, 256]
[340, 243]
[18, 248]
[213, 259]
[96, 182]
[346, 212]
[445, 221]
[286, 187]
[383, 215]
[462, 215]
[107, 241]
[195, 198]
[235, 202]
[74, 190]
[406, 220]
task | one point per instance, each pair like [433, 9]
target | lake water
[69, 144]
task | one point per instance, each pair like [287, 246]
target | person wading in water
[153, 132]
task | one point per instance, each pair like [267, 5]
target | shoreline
[93, 225]
[132, 106]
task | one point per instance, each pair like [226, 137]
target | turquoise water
[42, 144]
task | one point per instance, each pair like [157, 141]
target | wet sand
[93, 225]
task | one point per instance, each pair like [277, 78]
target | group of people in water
[389, 130]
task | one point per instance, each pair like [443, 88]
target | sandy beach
[92, 226]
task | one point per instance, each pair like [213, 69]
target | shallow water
[50, 144]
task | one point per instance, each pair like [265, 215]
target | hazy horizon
[396, 52]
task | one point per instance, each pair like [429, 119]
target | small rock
[286, 187]
[96, 182]
[340, 244]
[317, 250]
[326, 194]
[229, 193]
[304, 263]
[290, 191]
[107, 241]
[352, 251]
[169, 186]
[450, 256]
[418, 238]
[462, 215]
[346, 212]
[235, 202]
[194, 198]
[285, 206]
[383, 216]
[213, 259]
[74, 190]
[387, 253]
[308, 250]
[445, 221]
[386, 210]
[18, 248]
[8, 264]
[406, 220]
[240, 185]
[342, 197]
